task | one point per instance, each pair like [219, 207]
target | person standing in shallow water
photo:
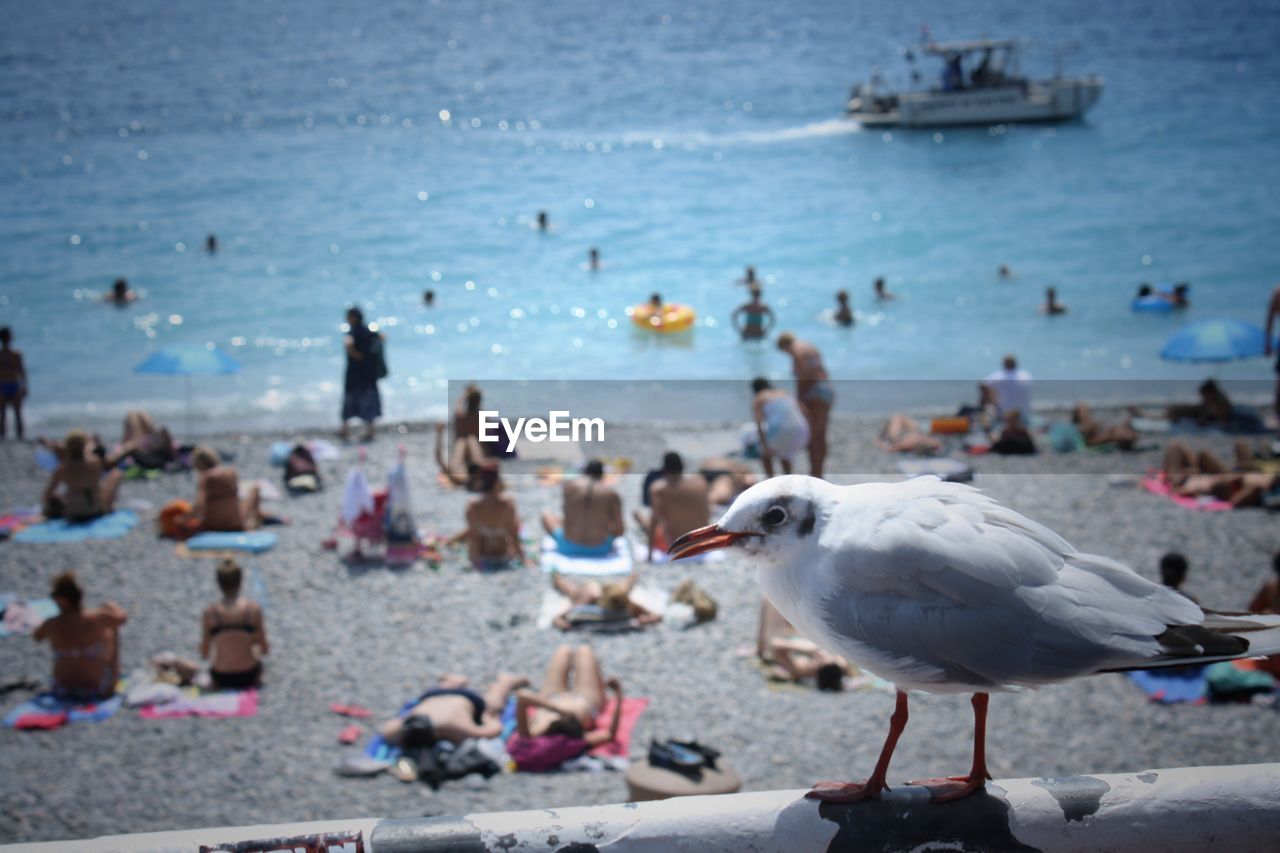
[593, 259]
[364, 368]
[757, 318]
[13, 382]
[844, 311]
[544, 222]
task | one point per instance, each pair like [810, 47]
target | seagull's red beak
[702, 540]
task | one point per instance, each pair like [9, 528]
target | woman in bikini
[84, 485]
[85, 642]
[558, 722]
[218, 505]
[493, 524]
[233, 638]
[592, 604]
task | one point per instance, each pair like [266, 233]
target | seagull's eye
[775, 516]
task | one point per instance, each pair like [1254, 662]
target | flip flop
[350, 734]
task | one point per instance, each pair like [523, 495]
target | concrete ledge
[1191, 809]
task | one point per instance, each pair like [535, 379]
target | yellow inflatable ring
[671, 318]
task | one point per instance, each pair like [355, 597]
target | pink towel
[632, 708]
[1156, 484]
[242, 703]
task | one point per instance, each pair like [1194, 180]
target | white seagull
[934, 586]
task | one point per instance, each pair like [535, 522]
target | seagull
[936, 587]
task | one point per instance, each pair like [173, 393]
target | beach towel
[225, 703]
[615, 755]
[110, 526]
[1172, 686]
[651, 598]
[254, 542]
[23, 615]
[1156, 484]
[15, 521]
[47, 711]
[617, 562]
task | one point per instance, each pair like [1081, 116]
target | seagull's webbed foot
[845, 792]
[945, 788]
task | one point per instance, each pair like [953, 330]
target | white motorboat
[980, 85]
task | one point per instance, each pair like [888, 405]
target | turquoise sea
[363, 152]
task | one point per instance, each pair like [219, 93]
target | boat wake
[813, 130]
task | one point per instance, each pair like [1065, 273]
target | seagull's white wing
[936, 585]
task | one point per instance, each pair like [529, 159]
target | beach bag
[176, 522]
[300, 471]
[704, 606]
[377, 353]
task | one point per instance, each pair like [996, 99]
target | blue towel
[255, 542]
[110, 526]
[77, 712]
[40, 606]
[1172, 686]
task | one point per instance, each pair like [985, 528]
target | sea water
[361, 153]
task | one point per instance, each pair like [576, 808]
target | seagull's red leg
[850, 792]
[955, 787]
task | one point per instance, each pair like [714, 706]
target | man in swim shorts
[13, 381]
[814, 392]
[592, 515]
[679, 504]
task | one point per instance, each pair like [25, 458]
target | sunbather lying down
[455, 712]
[1122, 435]
[793, 657]
[903, 435]
[1201, 474]
[559, 721]
[592, 604]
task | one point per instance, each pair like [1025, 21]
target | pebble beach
[368, 634]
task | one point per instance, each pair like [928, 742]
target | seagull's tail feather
[1223, 636]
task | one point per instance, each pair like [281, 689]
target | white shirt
[1013, 391]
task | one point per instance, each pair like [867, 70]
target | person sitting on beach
[1123, 436]
[1267, 598]
[792, 657]
[596, 605]
[1051, 306]
[493, 524]
[84, 485]
[781, 426]
[85, 643]
[1214, 408]
[592, 515]
[726, 479]
[757, 318]
[218, 506]
[815, 394]
[881, 293]
[678, 503]
[1014, 438]
[463, 466]
[1201, 474]
[558, 722]
[1173, 573]
[120, 294]
[1008, 389]
[452, 711]
[844, 312]
[13, 382]
[903, 435]
[149, 445]
[232, 635]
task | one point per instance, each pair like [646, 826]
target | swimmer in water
[211, 244]
[1051, 306]
[593, 259]
[755, 314]
[844, 312]
[655, 302]
[120, 294]
[882, 294]
[749, 277]
[1144, 290]
[1178, 296]
[429, 298]
[544, 222]
[1004, 272]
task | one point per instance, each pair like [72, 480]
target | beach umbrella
[187, 361]
[1216, 341]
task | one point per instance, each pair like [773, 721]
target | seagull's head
[769, 522]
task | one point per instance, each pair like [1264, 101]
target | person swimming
[120, 294]
[881, 293]
[593, 259]
[429, 298]
[749, 277]
[1051, 306]
[757, 318]
[544, 221]
[211, 244]
[844, 311]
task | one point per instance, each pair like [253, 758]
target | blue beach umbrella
[1215, 340]
[187, 361]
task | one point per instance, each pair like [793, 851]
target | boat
[980, 84]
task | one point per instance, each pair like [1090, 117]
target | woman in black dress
[365, 367]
